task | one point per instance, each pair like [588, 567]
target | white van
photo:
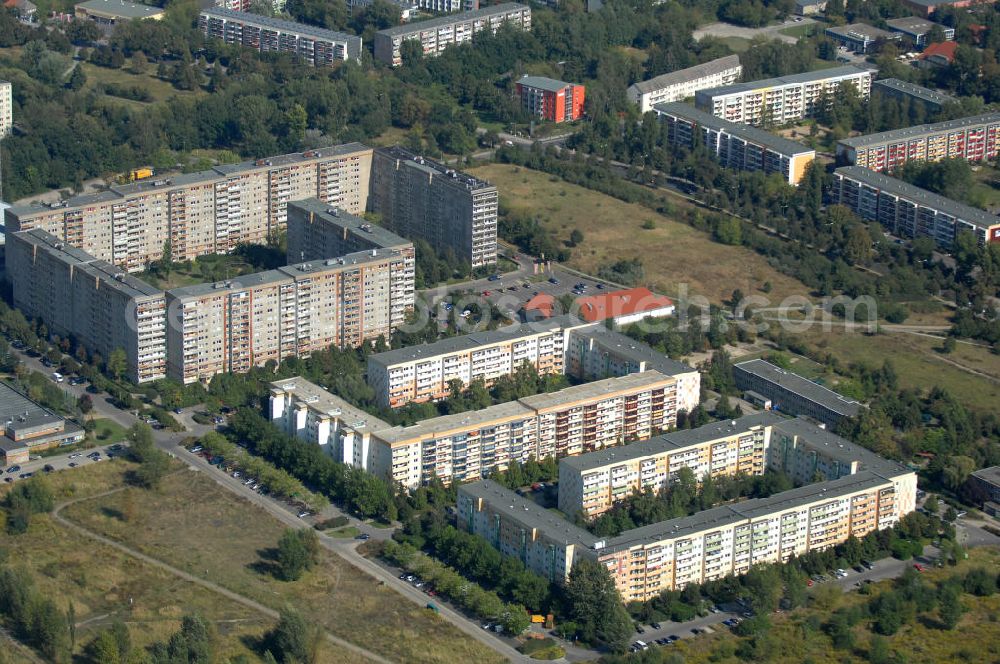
[56, 376]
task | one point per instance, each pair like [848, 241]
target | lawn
[800, 30]
[974, 640]
[159, 90]
[214, 267]
[197, 526]
[345, 532]
[105, 584]
[674, 254]
[736, 44]
[108, 431]
[919, 364]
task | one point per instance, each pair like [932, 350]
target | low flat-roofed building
[908, 211]
[735, 145]
[988, 481]
[683, 83]
[917, 29]
[859, 37]
[809, 7]
[111, 12]
[791, 393]
[29, 426]
[893, 88]
[927, 7]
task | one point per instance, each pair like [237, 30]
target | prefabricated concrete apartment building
[859, 493]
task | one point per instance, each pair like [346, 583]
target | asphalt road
[722, 30]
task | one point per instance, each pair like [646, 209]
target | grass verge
[196, 526]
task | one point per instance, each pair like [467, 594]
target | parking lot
[509, 293]
[65, 461]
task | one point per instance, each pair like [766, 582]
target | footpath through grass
[196, 526]
[105, 584]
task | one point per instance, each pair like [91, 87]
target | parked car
[655, 625]
[13, 469]
[364, 537]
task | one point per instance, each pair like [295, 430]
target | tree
[153, 463]
[949, 345]
[77, 79]
[575, 237]
[950, 607]
[298, 550]
[139, 63]
[117, 364]
[594, 604]
[85, 403]
[294, 639]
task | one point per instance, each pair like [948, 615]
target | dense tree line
[33, 616]
[466, 594]
[478, 560]
[355, 489]
[33, 496]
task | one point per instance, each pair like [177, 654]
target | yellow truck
[136, 174]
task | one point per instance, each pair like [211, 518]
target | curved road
[204, 583]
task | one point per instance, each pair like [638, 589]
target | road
[170, 442]
[346, 548]
[723, 30]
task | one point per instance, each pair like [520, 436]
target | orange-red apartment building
[550, 99]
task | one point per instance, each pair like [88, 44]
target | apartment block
[684, 83]
[469, 446]
[201, 213]
[303, 409]
[97, 303]
[6, 109]
[975, 138]
[420, 198]
[907, 211]
[449, 6]
[315, 46]
[791, 393]
[590, 484]
[594, 352]
[735, 145]
[706, 546]
[289, 312]
[437, 34]
[894, 88]
[549, 99]
[316, 232]
[784, 99]
[423, 373]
